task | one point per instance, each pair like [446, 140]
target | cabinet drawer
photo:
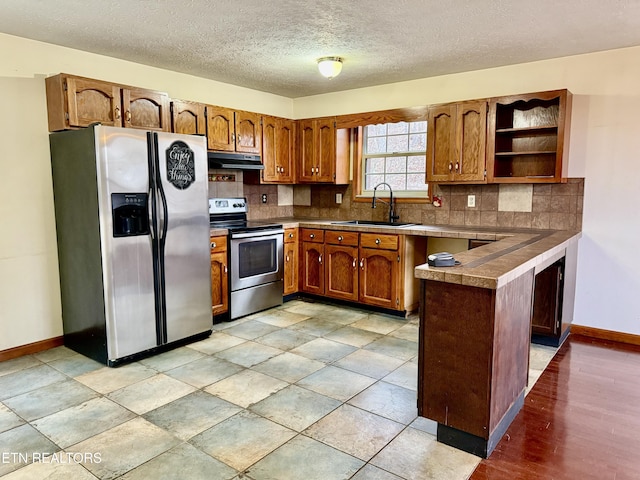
[218, 244]
[375, 240]
[312, 235]
[337, 237]
[290, 235]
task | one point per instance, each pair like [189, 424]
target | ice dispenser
[130, 214]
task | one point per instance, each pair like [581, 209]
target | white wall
[604, 149]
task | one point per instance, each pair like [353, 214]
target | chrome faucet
[392, 216]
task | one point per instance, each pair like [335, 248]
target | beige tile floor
[303, 391]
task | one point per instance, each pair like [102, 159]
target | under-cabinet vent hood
[234, 161]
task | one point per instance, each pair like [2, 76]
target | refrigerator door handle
[152, 148]
[162, 234]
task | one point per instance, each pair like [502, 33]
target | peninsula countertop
[513, 252]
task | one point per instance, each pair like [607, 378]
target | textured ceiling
[272, 45]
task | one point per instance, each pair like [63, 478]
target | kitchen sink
[374, 223]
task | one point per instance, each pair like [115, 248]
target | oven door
[256, 258]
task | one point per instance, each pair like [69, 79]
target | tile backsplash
[544, 206]
[554, 206]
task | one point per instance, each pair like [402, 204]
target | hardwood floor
[581, 420]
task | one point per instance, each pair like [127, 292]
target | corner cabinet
[233, 130]
[75, 102]
[278, 150]
[528, 137]
[323, 152]
[456, 142]
[219, 276]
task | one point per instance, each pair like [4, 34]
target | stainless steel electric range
[256, 257]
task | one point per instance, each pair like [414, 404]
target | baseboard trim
[608, 335]
[30, 348]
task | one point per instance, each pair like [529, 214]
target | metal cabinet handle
[287, 258]
[355, 260]
[377, 241]
[225, 269]
[450, 166]
[233, 138]
[362, 263]
[340, 238]
[291, 235]
[320, 258]
[239, 138]
[312, 235]
[128, 114]
[457, 166]
[213, 245]
[117, 113]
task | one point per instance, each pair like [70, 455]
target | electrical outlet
[471, 201]
[338, 198]
[264, 198]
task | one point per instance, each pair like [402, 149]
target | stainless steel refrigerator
[132, 224]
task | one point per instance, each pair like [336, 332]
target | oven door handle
[260, 233]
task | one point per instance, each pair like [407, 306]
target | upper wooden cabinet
[278, 149]
[188, 118]
[323, 152]
[145, 109]
[74, 102]
[233, 130]
[456, 141]
[528, 137]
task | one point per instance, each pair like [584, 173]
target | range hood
[234, 161]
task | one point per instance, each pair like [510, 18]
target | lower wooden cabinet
[291, 260]
[219, 276]
[341, 264]
[312, 270]
[380, 278]
[369, 268]
[547, 302]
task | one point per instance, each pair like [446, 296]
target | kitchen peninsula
[476, 323]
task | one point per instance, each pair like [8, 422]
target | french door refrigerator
[132, 224]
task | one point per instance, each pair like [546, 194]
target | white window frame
[364, 193]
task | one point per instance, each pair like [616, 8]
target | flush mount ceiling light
[330, 66]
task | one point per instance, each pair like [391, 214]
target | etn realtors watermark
[46, 457]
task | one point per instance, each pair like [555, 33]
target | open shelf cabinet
[527, 137]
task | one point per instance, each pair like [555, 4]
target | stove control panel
[227, 205]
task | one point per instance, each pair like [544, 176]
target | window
[395, 153]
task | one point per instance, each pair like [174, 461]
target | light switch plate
[338, 198]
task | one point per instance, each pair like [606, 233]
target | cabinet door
[341, 272]
[471, 138]
[306, 145]
[271, 172]
[90, 101]
[219, 283]
[146, 109]
[325, 150]
[440, 143]
[285, 149]
[248, 132]
[290, 268]
[546, 301]
[312, 268]
[379, 274]
[220, 129]
[188, 118]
